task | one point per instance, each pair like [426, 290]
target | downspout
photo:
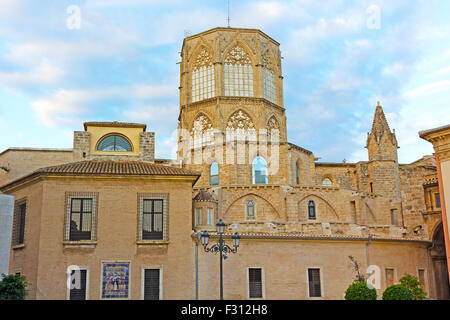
[196, 266]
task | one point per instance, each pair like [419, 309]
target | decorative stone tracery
[240, 126]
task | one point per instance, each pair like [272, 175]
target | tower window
[250, 211]
[214, 174]
[311, 210]
[203, 77]
[259, 171]
[114, 143]
[327, 182]
[238, 73]
[437, 198]
[297, 174]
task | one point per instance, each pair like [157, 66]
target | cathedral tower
[383, 166]
[231, 107]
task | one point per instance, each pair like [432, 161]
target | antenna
[228, 18]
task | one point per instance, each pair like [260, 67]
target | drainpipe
[369, 238]
[196, 265]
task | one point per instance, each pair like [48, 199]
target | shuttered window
[80, 292]
[151, 284]
[255, 283]
[20, 211]
[314, 283]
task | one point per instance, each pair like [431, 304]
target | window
[311, 209]
[389, 273]
[250, 211]
[394, 217]
[20, 210]
[203, 77]
[80, 219]
[153, 210]
[437, 198]
[255, 287]
[209, 216]
[81, 215]
[238, 73]
[421, 276]
[314, 284]
[371, 187]
[152, 226]
[297, 174]
[114, 143]
[214, 174]
[151, 284]
[259, 170]
[269, 79]
[198, 216]
[78, 282]
[327, 182]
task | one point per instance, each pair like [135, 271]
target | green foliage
[397, 292]
[13, 287]
[413, 284]
[360, 291]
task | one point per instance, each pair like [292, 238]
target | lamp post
[220, 247]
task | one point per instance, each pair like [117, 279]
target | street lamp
[220, 247]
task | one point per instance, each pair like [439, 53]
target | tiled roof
[109, 167]
[115, 124]
[117, 167]
[204, 196]
[307, 236]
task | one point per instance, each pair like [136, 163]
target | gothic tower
[231, 107]
[383, 166]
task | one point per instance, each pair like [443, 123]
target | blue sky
[121, 65]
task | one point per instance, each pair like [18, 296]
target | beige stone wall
[21, 162]
[285, 264]
[44, 258]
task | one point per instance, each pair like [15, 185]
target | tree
[356, 267]
[13, 287]
[397, 292]
[360, 291]
[413, 284]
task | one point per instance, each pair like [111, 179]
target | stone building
[299, 219]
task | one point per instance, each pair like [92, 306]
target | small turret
[381, 142]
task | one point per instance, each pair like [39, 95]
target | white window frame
[161, 276]
[322, 292]
[69, 271]
[165, 219]
[263, 282]
[81, 195]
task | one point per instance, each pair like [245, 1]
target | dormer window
[114, 143]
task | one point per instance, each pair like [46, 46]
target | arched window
[203, 77]
[273, 130]
[259, 171]
[202, 133]
[297, 174]
[269, 80]
[311, 210]
[114, 143]
[214, 174]
[240, 127]
[327, 182]
[250, 210]
[238, 73]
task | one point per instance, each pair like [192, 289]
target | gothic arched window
[238, 73]
[259, 171]
[273, 129]
[311, 210]
[114, 143]
[202, 132]
[327, 182]
[203, 77]
[240, 127]
[250, 210]
[214, 174]
[270, 92]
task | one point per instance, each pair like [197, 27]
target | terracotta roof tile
[108, 167]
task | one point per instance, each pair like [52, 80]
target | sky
[63, 63]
